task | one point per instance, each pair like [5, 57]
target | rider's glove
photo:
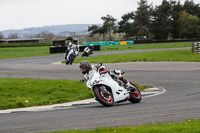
[82, 80]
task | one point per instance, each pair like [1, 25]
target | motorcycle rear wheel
[104, 100]
[135, 96]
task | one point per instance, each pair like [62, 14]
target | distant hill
[55, 29]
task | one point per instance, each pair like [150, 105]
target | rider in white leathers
[86, 68]
[91, 48]
[72, 45]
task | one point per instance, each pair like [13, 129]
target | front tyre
[104, 100]
[83, 54]
[135, 96]
[66, 62]
[71, 58]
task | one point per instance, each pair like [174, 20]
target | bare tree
[47, 35]
[1, 35]
[13, 36]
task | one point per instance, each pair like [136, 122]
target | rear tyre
[135, 96]
[104, 100]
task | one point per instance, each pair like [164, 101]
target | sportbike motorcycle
[109, 90]
[70, 56]
[86, 52]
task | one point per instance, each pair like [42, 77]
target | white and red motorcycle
[108, 90]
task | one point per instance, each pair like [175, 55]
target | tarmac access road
[180, 102]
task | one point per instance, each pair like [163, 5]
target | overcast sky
[18, 14]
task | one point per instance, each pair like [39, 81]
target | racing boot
[128, 86]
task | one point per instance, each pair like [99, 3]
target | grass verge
[23, 52]
[169, 55]
[14, 52]
[190, 126]
[16, 93]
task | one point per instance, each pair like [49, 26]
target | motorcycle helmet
[91, 46]
[85, 67]
[102, 68]
[75, 41]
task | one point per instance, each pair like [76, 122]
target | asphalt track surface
[180, 102]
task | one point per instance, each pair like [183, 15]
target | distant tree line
[45, 34]
[170, 20]
[1, 35]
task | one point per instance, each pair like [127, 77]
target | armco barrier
[123, 42]
[110, 43]
[54, 49]
[138, 42]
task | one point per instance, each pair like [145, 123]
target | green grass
[23, 52]
[15, 52]
[145, 46]
[16, 93]
[169, 55]
[190, 126]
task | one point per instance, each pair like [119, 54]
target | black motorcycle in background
[88, 50]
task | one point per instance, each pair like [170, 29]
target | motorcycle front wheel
[104, 100]
[71, 58]
[135, 96]
[83, 54]
[66, 62]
